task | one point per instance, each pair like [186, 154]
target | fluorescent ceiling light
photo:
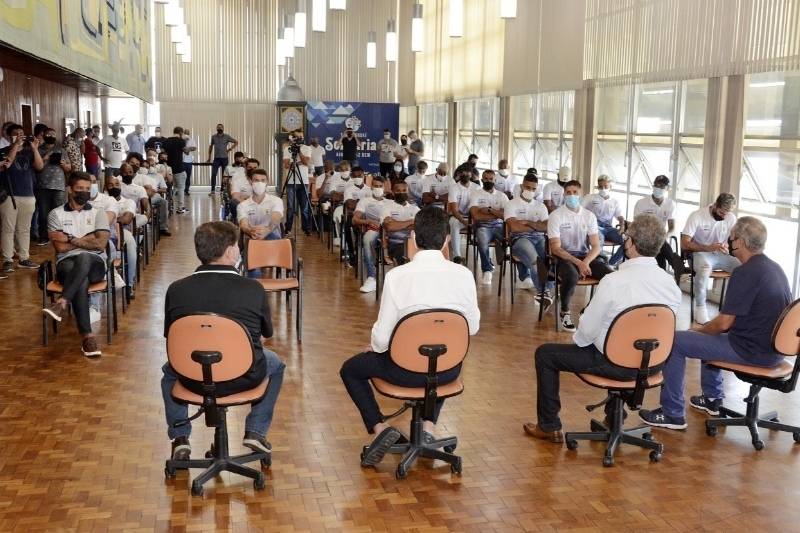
[372, 51]
[178, 33]
[319, 13]
[417, 29]
[391, 41]
[173, 13]
[300, 30]
[508, 9]
[762, 84]
[658, 91]
[339, 4]
[456, 18]
[280, 55]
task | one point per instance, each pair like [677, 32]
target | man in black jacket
[217, 287]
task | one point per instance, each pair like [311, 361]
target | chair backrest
[786, 335]
[640, 323]
[429, 327]
[277, 253]
[411, 248]
[208, 332]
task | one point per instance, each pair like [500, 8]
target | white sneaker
[94, 315]
[700, 314]
[527, 284]
[487, 278]
[118, 281]
[336, 241]
[566, 322]
[369, 285]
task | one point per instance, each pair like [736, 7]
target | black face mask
[488, 185]
[730, 247]
[80, 197]
[49, 140]
[127, 180]
[401, 197]
[219, 131]
[114, 191]
[716, 215]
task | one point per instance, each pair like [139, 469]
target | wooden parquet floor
[83, 443]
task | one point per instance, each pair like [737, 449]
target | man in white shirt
[136, 193]
[332, 194]
[136, 140]
[504, 181]
[353, 193]
[156, 189]
[553, 192]
[662, 207]
[317, 156]
[486, 208]
[414, 182]
[639, 281]
[398, 221]
[368, 216]
[113, 150]
[569, 228]
[436, 186]
[706, 236]
[459, 196]
[125, 213]
[188, 157]
[260, 215]
[606, 209]
[240, 185]
[428, 281]
[297, 193]
[527, 227]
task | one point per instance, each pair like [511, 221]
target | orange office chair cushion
[779, 371]
[453, 388]
[57, 287]
[179, 392]
[279, 284]
[606, 383]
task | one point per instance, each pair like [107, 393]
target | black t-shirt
[174, 148]
[221, 290]
[155, 143]
[757, 294]
[349, 147]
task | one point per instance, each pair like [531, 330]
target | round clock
[292, 119]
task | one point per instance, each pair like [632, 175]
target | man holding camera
[297, 155]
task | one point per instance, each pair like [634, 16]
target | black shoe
[458, 260]
[546, 299]
[27, 263]
[165, 233]
[657, 418]
[708, 405]
[308, 233]
[256, 442]
[181, 450]
[8, 266]
[373, 454]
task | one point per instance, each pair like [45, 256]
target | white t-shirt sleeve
[241, 211]
[277, 206]
[553, 228]
[361, 206]
[671, 214]
[691, 225]
[591, 225]
[473, 198]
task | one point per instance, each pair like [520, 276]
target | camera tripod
[295, 177]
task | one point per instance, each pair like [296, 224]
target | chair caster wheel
[210, 452]
[363, 453]
[197, 489]
[266, 462]
[400, 473]
[796, 437]
[647, 436]
[572, 444]
[655, 456]
[450, 449]
[758, 445]
[259, 483]
[169, 473]
[711, 431]
[455, 468]
[608, 461]
[775, 419]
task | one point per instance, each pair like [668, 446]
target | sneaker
[27, 263]
[369, 285]
[709, 405]
[566, 322]
[165, 233]
[546, 298]
[256, 442]
[657, 418]
[55, 311]
[526, 284]
[487, 278]
[336, 241]
[700, 314]
[457, 260]
[3, 276]
[90, 348]
[8, 266]
[94, 315]
[118, 281]
[181, 450]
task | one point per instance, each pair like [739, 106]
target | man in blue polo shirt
[742, 332]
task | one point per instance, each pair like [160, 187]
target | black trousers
[46, 201]
[359, 369]
[551, 359]
[397, 251]
[188, 169]
[667, 255]
[75, 273]
[569, 278]
[347, 235]
[386, 168]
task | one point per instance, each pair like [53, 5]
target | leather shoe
[556, 437]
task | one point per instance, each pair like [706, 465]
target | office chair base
[751, 420]
[614, 436]
[214, 466]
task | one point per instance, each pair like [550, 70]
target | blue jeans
[259, 418]
[696, 345]
[370, 239]
[219, 163]
[484, 235]
[297, 193]
[527, 249]
[611, 234]
[274, 236]
[704, 263]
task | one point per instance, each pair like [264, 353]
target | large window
[542, 132]
[433, 132]
[770, 181]
[479, 131]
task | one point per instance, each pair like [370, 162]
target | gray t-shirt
[418, 146]
[220, 143]
[387, 149]
[51, 177]
[78, 224]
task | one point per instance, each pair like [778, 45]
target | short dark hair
[75, 177]
[135, 155]
[213, 238]
[725, 201]
[356, 169]
[661, 179]
[421, 164]
[531, 178]
[177, 129]
[572, 183]
[39, 129]
[11, 127]
[470, 156]
[253, 160]
[259, 171]
[386, 130]
[430, 228]
[378, 177]
[238, 154]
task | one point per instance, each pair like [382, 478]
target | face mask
[398, 168]
[259, 188]
[527, 194]
[503, 172]
[127, 180]
[358, 182]
[49, 140]
[219, 130]
[403, 141]
[658, 193]
[377, 193]
[143, 170]
[562, 183]
[716, 215]
[93, 190]
[80, 197]
[114, 191]
[625, 248]
[488, 185]
[345, 175]
[572, 201]
[386, 135]
[604, 193]
[401, 198]
[238, 264]
[731, 248]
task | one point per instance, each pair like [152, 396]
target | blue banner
[328, 120]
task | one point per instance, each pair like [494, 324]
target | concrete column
[504, 151]
[583, 136]
[452, 134]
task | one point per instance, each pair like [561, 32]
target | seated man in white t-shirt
[487, 207]
[504, 180]
[260, 215]
[527, 229]
[353, 193]
[706, 235]
[240, 186]
[337, 185]
[569, 228]
[662, 207]
[607, 210]
[368, 216]
[125, 213]
[459, 201]
[553, 192]
[136, 193]
[398, 222]
[414, 182]
[435, 187]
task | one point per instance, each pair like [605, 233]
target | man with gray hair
[639, 281]
[758, 292]
[706, 235]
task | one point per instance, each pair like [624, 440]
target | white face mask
[605, 193]
[93, 190]
[527, 194]
[658, 192]
[398, 168]
[259, 188]
[358, 182]
[386, 135]
[503, 172]
[143, 170]
[345, 174]
[377, 193]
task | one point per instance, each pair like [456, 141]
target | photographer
[297, 189]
